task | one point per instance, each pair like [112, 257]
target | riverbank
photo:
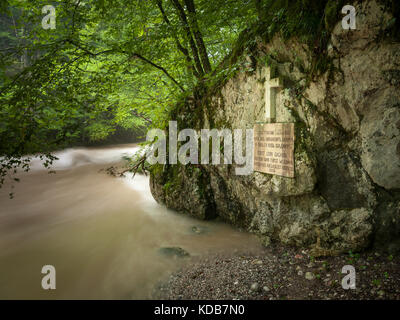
[283, 273]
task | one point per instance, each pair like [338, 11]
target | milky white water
[101, 233]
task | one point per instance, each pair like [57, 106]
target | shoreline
[282, 273]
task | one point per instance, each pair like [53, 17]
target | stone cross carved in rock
[271, 88]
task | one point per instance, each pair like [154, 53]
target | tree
[108, 63]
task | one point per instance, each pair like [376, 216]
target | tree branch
[178, 43]
[186, 27]
[132, 55]
[137, 55]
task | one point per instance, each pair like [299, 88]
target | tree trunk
[195, 52]
[197, 35]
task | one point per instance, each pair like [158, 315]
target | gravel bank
[283, 273]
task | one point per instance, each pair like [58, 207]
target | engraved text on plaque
[274, 148]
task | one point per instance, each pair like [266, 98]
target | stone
[310, 276]
[339, 171]
[266, 241]
[357, 233]
[174, 252]
[388, 227]
[254, 287]
[381, 146]
[199, 229]
[190, 183]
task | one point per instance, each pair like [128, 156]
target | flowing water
[102, 234]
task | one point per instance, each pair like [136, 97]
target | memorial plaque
[274, 148]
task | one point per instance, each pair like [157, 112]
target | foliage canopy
[107, 64]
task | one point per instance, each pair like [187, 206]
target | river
[102, 234]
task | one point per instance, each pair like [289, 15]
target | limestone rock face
[369, 102]
[381, 147]
[191, 183]
[346, 190]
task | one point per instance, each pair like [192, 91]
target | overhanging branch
[139, 56]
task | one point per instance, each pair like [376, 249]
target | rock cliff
[346, 190]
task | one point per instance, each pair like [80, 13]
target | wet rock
[199, 229]
[177, 252]
[266, 241]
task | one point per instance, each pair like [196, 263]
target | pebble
[254, 287]
[310, 276]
